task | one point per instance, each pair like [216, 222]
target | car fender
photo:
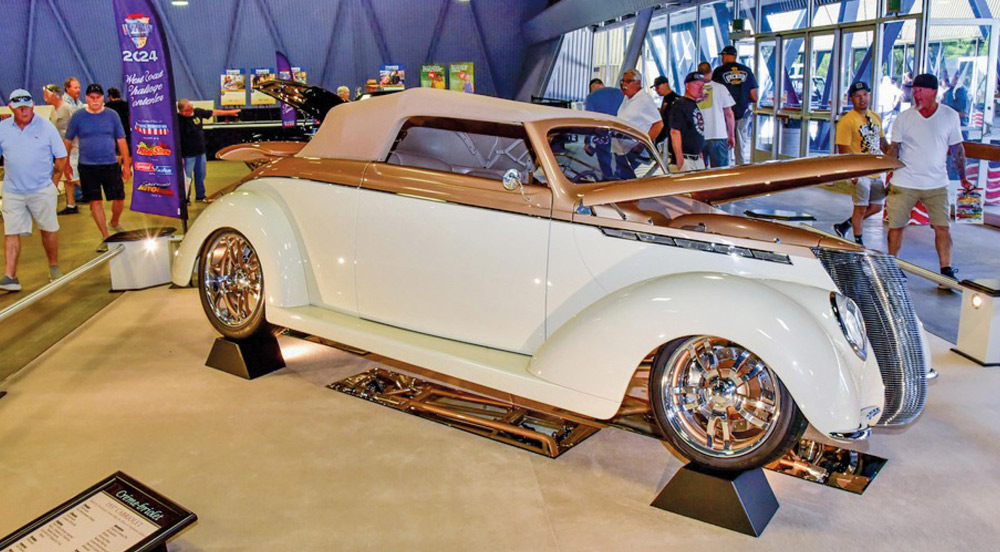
[256, 212]
[598, 350]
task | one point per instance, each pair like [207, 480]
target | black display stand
[739, 501]
[247, 359]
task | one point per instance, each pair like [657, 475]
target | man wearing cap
[100, 130]
[742, 86]
[860, 131]
[607, 100]
[29, 145]
[923, 137]
[60, 117]
[716, 107]
[687, 127]
[662, 87]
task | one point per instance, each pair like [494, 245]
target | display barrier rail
[48, 289]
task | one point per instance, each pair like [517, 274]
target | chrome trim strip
[697, 245]
[860, 435]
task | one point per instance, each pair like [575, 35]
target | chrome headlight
[851, 323]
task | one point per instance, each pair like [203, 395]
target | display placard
[299, 75]
[433, 76]
[462, 77]
[260, 75]
[234, 87]
[392, 77]
[969, 205]
[118, 514]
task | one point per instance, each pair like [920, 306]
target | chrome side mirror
[511, 180]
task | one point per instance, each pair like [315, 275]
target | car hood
[733, 183]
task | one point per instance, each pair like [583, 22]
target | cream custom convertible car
[545, 253]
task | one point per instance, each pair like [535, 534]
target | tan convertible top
[365, 130]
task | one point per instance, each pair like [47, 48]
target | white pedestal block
[979, 325]
[144, 263]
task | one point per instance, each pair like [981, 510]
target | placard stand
[738, 501]
[248, 359]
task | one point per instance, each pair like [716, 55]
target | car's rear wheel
[720, 405]
[231, 285]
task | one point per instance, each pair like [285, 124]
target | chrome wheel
[232, 280]
[718, 397]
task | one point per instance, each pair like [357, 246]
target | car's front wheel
[720, 405]
[231, 285]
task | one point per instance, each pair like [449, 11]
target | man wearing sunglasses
[29, 146]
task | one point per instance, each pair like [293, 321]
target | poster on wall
[392, 77]
[461, 77]
[288, 116]
[260, 75]
[299, 75]
[234, 87]
[149, 88]
[433, 76]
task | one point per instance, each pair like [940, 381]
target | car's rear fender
[256, 213]
[598, 350]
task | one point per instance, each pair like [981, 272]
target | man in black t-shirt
[120, 106]
[662, 87]
[189, 119]
[742, 86]
[687, 127]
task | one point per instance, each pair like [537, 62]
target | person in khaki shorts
[922, 138]
[860, 131]
[30, 147]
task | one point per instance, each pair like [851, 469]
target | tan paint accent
[986, 152]
[457, 188]
[259, 151]
[759, 230]
[732, 183]
[331, 171]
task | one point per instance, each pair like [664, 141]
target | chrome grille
[877, 285]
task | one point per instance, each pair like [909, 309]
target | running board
[544, 433]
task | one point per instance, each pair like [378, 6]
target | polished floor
[282, 463]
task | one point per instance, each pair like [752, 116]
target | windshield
[594, 154]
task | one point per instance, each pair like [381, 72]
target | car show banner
[234, 87]
[285, 73]
[392, 77]
[260, 75]
[462, 77]
[149, 88]
[433, 76]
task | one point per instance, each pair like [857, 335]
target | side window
[474, 148]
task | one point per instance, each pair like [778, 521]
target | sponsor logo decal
[164, 170]
[137, 28]
[143, 166]
[158, 188]
[153, 150]
[152, 129]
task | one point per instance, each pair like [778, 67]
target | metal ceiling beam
[271, 26]
[482, 47]
[438, 30]
[232, 33]
[31, 33]
[570, 15]
[639, 30]
[329, 46]
[383, 48]
[177, 51]
[72, 43]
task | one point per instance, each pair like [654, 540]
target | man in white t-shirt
[716, 107]
[638, 110]
[922, 138]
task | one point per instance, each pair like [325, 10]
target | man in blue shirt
[607, 100]
[100, 130]
[29, 145]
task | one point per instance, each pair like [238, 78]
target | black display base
[247, 359]
[973, 359]
[739, 501]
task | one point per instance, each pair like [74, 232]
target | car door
[443, 248]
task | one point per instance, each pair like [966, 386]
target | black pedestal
[247, 359]
[739, 501]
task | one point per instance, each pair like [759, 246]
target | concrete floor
[282, 463]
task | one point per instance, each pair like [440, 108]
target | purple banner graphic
[157, 185]
[285, 73]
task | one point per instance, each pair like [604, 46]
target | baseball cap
[21, 98]
[694, 76]
[53, 89]
[925, 80]
[659, 80]
[728, 51]
[858, 87]
[95, 88]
